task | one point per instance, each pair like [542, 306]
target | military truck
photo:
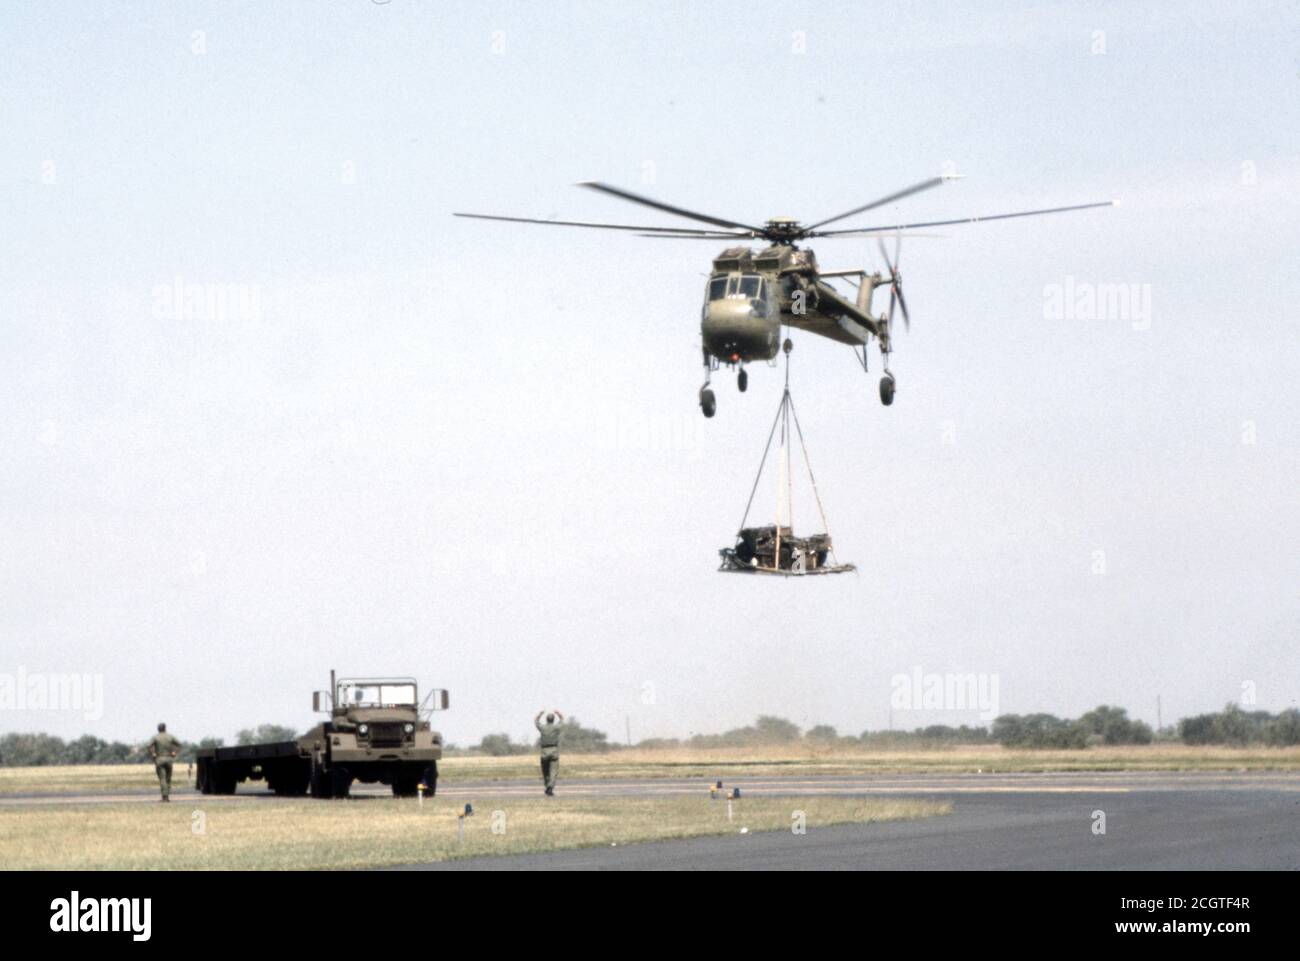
[378, 731]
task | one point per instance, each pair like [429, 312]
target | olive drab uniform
[160, 748]
[550, 744]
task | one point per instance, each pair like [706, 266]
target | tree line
[1104, 725]
[28, 750]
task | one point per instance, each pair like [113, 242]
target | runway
[1153, 821]
[1219, 821]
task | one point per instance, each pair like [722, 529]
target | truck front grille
[386, 735]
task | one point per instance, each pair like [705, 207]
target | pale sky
[472, 452]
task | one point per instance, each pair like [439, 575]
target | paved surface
[1160, 821]
[999, 822]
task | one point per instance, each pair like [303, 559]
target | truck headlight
[363, 729]
[408, 727]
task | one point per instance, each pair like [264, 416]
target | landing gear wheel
[887, 389]
[742, 380]
[708, 403]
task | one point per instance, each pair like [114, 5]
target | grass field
[371, 832]
[799, 758]
[802, 758]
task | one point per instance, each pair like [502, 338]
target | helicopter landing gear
[742, 380]
[887, 389]
[708, 401]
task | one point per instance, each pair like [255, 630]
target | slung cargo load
[760, 549]
[775, 549]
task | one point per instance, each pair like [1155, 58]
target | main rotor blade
[905, 192]
[702, 235]
[873, 231]
[651, 231]
[667, 208]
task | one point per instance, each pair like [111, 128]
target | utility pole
[1159, 722]
[628, 719]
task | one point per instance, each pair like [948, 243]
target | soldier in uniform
[163, 748]
[550, 744]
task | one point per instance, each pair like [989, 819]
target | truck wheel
[431, 779]
[319, 783]
[203, 779]
[340, 782]
[406, 785]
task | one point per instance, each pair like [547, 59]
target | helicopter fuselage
[750, 295]
[745, 299]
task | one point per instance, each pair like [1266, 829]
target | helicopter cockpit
[751, 288]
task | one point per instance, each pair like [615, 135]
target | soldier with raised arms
[550, 746]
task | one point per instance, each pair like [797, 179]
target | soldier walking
[550, 744]
[163, 748]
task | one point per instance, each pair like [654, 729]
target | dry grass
[807, 759]
[263, 833]
[798, 758]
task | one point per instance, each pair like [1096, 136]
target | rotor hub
[782, 228]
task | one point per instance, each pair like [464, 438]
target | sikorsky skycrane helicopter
[751, 294]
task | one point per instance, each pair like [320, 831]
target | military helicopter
[750, 295]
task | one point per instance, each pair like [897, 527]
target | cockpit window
[749, 285]
[717, 288]
[733, 285]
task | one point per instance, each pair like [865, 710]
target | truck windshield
[371, 694]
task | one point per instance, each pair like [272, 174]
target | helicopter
[751, 294]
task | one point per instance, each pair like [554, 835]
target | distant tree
[1237, 727]
[265, 734]
[190, 750]
[1009, 730]
[1112, 725]
[576, 739]
[1038, 731]
[1199, 729]
[18, 750]
[86, 749]
[821, 732]
[500, 745]
[775, 729]
[119, 753]
[1284, 729]
[1231, 726]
